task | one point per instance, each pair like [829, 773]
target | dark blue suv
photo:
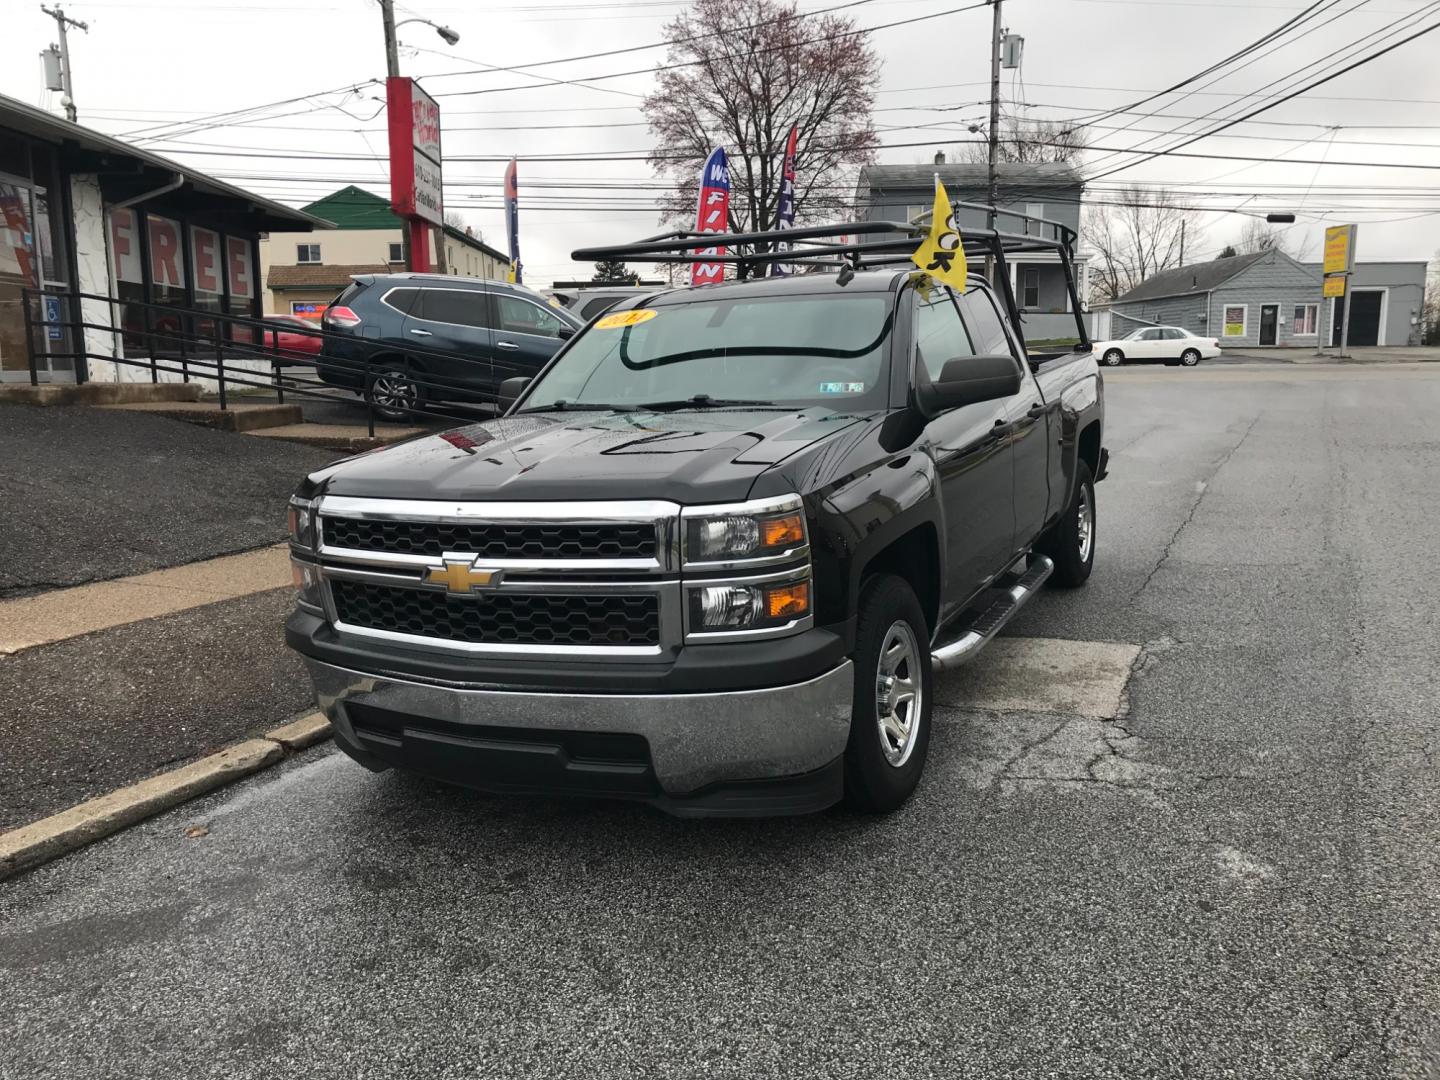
[407, 339]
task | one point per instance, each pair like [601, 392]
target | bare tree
[1030, 142]
[752, 68]
[1430, 311]
[1260, 236]
[455, 219]
[1137, 234]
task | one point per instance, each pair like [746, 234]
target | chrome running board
[990, 622]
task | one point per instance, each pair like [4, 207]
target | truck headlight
[720, 608]
[764, 529]
[300, 523]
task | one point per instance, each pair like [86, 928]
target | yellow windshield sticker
[626, 318]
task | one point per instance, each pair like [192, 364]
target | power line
[753, 52]
[1266, 107]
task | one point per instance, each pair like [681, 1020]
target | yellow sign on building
[1335, 285]
[1339, 250]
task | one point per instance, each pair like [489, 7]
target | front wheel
[1071, 542]
[1113, 358]
[890, 713]
[1190, 357]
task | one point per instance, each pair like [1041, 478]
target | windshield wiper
[578, 406]
[705, 401]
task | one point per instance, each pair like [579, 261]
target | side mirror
[565, 333]
[511, 389]
[969, 380]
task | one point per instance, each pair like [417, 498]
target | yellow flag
[941, 254]
[510, 274]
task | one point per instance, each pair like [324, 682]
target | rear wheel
[394, 392]
[1190, 357]
[1113, 358]
[1071, 541]
[890, 717]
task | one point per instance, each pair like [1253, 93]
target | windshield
[824, 350]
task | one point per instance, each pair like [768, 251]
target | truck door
[973, 456]
[1028, 415]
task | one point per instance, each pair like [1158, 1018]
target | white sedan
[1158, 343]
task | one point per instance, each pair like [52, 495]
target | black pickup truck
[713, 553]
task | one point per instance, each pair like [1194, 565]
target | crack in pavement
[1203, 489]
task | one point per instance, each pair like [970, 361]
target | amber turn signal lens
[788, 601]
[784, 531]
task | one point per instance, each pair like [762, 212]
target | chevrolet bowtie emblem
[460, 575]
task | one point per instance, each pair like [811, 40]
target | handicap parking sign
[52, 316]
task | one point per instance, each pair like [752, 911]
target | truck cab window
[987, 330]
[940, 336]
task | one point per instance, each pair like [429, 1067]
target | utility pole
[392, 55]
[62, 21]
[1182, 241]
[993, 189]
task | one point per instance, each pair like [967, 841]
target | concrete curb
[41, 841]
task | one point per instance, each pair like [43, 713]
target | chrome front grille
[494, 540]
[577, 579]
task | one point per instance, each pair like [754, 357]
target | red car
[296, 340]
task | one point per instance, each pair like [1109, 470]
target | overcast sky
[147, 65]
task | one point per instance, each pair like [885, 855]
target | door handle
[422, 333]
[1035, 411]
[506, 345]
[998, 432]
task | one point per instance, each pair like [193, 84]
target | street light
[450, 37]
[392, 56]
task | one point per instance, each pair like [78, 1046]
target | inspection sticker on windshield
[626, 318]
[842, 388]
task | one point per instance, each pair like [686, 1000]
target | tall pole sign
[1335, 270]
[711, 215]
[416, 189]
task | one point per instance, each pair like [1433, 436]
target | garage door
[1365, 318]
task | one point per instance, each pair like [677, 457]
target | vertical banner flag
[942, 254]
[785, 206]
[711, 215]
[512, 221]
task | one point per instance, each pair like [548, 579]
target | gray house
[1268, 298]
[903, 192]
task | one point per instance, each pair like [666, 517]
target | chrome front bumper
[695, 740]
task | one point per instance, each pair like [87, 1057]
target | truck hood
[689, 456]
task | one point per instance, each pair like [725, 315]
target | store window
[307, 253]
[1305, 319]
[208, 273]
[240, 273]
[129, 277]
[167, 283]
[1234, 320]
[397, 253]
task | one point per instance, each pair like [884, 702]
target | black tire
[394, 392]
[881, 772]
[1190, 357]
[1073, 558]
[1113, 358]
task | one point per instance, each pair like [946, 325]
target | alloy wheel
[898, 693]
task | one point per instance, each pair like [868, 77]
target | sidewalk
[1383, 354]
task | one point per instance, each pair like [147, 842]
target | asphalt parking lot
[1230, 868]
